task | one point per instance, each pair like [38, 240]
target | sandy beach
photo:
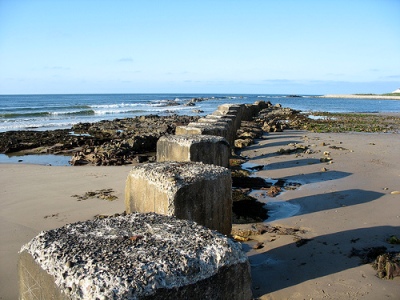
[351, 96]
[344, 205]
[341, 208]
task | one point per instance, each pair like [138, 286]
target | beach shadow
[316, 203]
[333, 200]
[292, 163]
[324, 255]
[282, 143]
[316, 177]
[282, 136]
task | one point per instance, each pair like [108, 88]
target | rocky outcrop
[116, 142]
[126, 139]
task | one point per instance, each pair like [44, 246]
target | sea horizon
[62, 111]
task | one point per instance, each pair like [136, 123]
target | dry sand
[348, 206]
[35, 198]
[371, 97]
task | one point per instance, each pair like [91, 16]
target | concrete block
[249, 112]
[208, 149]
[228, 123]
[34, 282]
[235, 111]
[204, 129]
[230, 108]
[220, 116]
[136, 256]
[187, 190]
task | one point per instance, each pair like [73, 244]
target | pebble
[395, 193]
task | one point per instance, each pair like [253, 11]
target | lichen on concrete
[177, 174]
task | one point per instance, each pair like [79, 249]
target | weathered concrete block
[234, 111]
[219, 115]
[224, 122]
[208, 149]
[137, 256]
[187, 190]
[230, 108]
[249, 111]
[204, 129]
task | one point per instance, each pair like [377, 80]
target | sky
[207, 46]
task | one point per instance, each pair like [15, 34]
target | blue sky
[218, 46]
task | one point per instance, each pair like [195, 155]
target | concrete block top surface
[131, 256]
[208, 125]
[171, 175]
[230, 107]
[218, 115]
[190, 139]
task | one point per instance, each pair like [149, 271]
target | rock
[273, 191]
[250, 182]
[247, 209]
[115, 142]
[388, 265]
[243, 143]
[325, 159]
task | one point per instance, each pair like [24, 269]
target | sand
[349, 205]
[371, 97]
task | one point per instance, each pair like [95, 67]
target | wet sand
[348, 205]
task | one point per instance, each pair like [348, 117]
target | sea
[49, 112]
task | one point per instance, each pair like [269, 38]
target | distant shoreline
[377, 97]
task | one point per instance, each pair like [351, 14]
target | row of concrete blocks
[192, 191]
[190, 182]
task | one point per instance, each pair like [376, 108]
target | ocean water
[46, 112]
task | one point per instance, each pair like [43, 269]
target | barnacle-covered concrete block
[136, 256]
[208, 149]
[187, 190]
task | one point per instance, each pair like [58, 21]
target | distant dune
[378, 97]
